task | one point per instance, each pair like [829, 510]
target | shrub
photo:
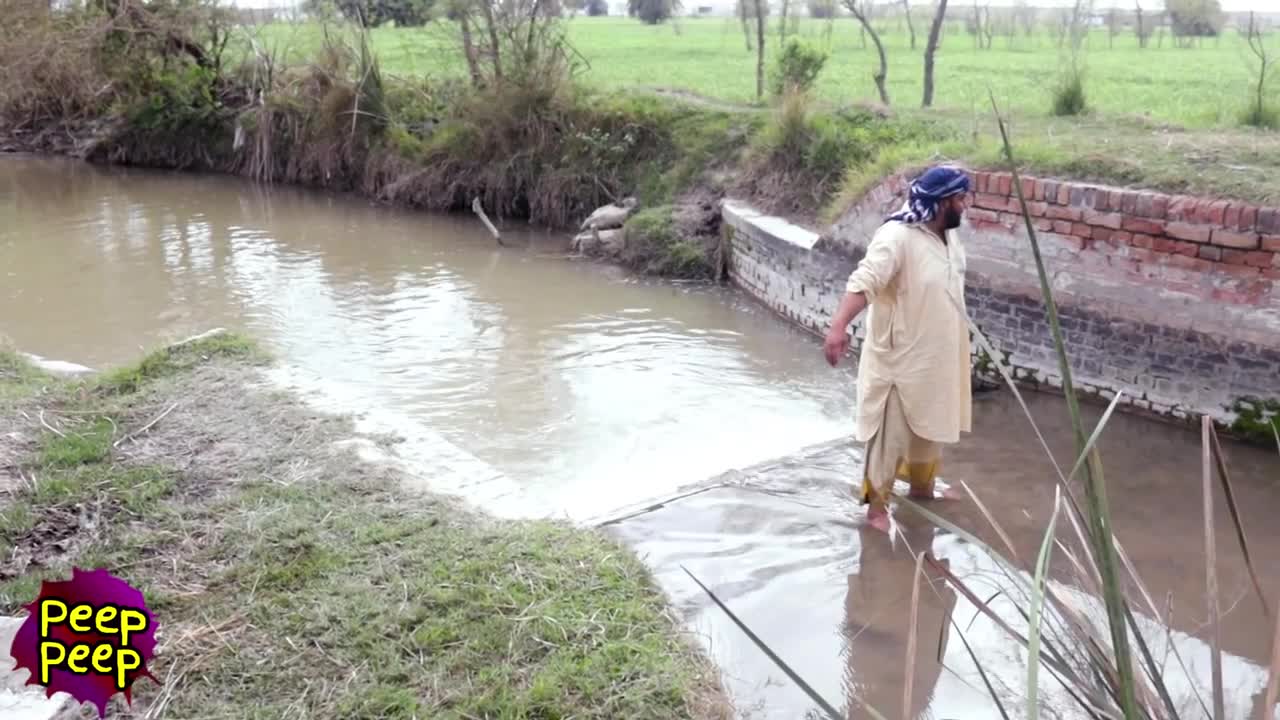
[1260, 115]
[656, 246]
[798, 67]
[1069, 96]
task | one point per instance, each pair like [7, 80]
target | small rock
[600, 242]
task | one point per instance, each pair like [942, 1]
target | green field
[1200, 87]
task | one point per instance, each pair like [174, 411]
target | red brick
[1189, 249]
[1232, 220]
[1004, 184]
[991, 202]
[1243, 241]
[1062, 227]
[1044, 225]
[1037, 209]
[1146, 204]
[1271, 273]
[1102, 234]
[1064, 194]
[1129, 205]
[1065, 213]
[1139, 225]
[1028, 188]
[1050, 191]
[1248, 218]
[1160, 207]
[1210, 253]
[1191, 263]
[1107, 220]
[1082, 230]
[1269, 221]
[1271, 242]
[1115, 200]
[1242, 271]
[1212, 213]
[980, 215]
[1252, 258]
[1143, 241]
[1145, 255]
[1187, 231]
[1182, 208]
[1121, 237]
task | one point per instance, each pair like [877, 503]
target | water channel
[592, 392]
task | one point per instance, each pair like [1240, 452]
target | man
[913, 374]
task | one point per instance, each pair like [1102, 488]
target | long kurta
[917, 337]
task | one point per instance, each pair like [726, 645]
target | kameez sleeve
[878, 266]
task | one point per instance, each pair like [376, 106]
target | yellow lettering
[106, 615]
[79, 614]
[46, 662]
[79, 652]
[126, 660]
[101, 653]
[131, 621]
[46, 617]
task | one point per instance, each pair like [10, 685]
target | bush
[798, 67]
[655, 246]
[1069, 96]
[1260, 116]
[597, 8]
[822, 9]
[653, 11]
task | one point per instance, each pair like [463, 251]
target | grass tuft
[172, 360]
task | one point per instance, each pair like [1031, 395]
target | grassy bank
[290, 577]
[544, 123]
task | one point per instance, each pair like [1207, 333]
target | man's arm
[837, 342]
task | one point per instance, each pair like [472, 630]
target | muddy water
[592, 392]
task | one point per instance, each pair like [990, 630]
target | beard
[951, 218]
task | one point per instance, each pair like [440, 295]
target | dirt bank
[289, 575]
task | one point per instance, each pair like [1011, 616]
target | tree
[372, 13]
[1140, 25]
[822, 9]
[1259, 115]
[597, 8]
[860, 11]
[1113, 27]
[653, 12]
[935, 35]
[1195, 18]
[762, 11]
[911, 28]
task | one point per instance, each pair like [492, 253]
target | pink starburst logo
[91, 637]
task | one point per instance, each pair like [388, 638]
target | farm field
[1200, 87]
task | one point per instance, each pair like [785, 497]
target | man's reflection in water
[878, 621]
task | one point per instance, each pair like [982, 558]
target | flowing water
[591, 392]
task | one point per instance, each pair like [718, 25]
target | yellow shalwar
[913, 373]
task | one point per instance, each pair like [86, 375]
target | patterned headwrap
[931, 188]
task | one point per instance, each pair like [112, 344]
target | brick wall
[1171, 299]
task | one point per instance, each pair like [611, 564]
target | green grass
[1199, 87]
[336, 596]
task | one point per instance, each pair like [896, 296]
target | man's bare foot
[878, 518]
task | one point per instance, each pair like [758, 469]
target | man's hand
[836, 345]
[837, 342]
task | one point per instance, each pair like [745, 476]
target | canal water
[596, 394]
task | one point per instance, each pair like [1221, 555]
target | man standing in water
[913, 373]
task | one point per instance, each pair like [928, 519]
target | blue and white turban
[927, 191]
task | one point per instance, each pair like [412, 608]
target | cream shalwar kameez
[913, 374]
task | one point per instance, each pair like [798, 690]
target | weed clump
[797, 68]
[658, 246]
[1069, 98]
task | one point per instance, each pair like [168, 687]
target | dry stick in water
[1095, 485]
[1211, 572]
[478, 209]
[909, 674]
[1221, 463]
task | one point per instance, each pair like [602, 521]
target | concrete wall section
[1173, 300]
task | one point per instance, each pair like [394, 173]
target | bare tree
[935, 34]
[1258, 115]
[746, 26]
[782, 25]
[1113, 27]
[911, 28]
[1140, 26]
[860, 12]
[760, 18]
